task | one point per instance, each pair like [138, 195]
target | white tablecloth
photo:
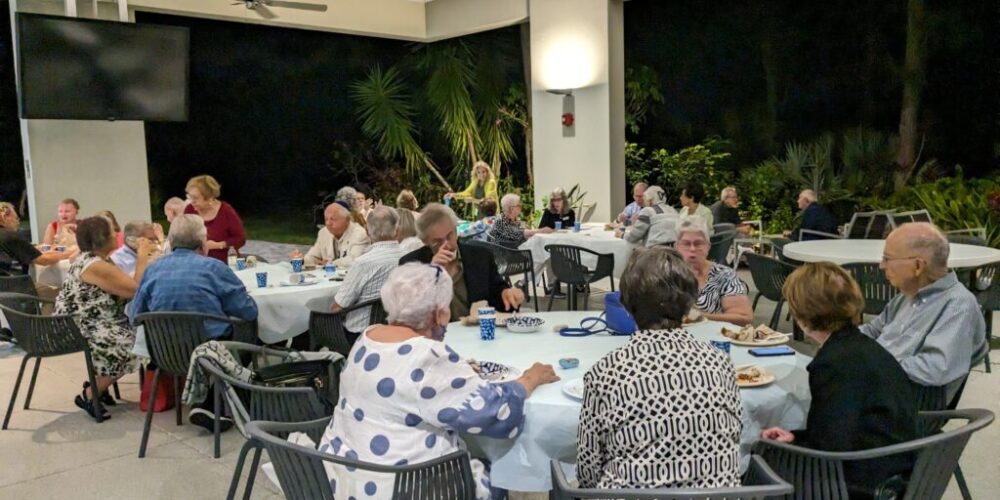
[53, 275]
[870, 251]
[592, 236]
[283, 311]
[552, 417]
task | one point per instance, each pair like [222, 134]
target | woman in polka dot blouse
[406, 396]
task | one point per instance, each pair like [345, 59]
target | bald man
[340, 240]
[934, 326]
[815, 217]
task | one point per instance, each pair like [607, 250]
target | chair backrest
[759, 482]
[768, 275]
[900, 218]
[567, 264]
[326, 329]
[40, 335]
[870, 225]
[723, 227]
[721, 243]
[510, 262]
[172, 336]
[875, 287]
[18, 283]
[302, 476]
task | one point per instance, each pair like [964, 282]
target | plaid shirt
[365, 279]
[187, 281]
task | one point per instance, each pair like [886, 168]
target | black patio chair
[985, 285]
[252, 402]
[326, 329]
[42, 337]
[514, 262]
[769, 277]
[723, 227]
[171, 338]
[567, 266]
[759, 482]
[875, 287]
[819, 475]
[18, 283]
[966, 239]
[302, 476]
[721, 243]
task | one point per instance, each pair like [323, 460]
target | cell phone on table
[781, 350]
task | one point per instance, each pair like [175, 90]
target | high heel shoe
[106, 399]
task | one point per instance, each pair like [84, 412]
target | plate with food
[694, 316]
[574, 389]
[755, 336]
[495, 372]
[753, 376]
[524, 324]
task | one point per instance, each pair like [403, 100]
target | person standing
[225, 228]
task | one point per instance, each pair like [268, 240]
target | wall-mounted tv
[86, 69]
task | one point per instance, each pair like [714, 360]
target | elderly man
[657, 222]
[933, 327]
[631, 212]
[815, 217]
[507, 230]
[341, 240]
[135, 231]
[187, 280]
[370, 271]
[472, 269]
[725, 210]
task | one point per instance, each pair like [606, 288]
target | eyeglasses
[692, 244]
[886, 258]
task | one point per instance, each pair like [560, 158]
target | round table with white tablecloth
[870, 251]
[283, 311]
[592, 236]
[550, 430]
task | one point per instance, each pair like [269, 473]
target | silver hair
[414, 293]
[693, 224]
[509, 200]
[187, 231]
[931, 243]
[432, 215]
[809, 194]
[654, 195]
[136, 228]
[726, 190]
[346, 193]
[174, 204]
[382, 222]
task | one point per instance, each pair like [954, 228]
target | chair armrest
[975, 231]
[819, 233]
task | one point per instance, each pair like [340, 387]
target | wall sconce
[568, 118]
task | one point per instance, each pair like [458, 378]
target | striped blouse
[722, 282]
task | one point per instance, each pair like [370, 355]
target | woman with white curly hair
[406, 396]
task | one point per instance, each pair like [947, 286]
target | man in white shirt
[370, 270]
[340, 240]
[135, 231]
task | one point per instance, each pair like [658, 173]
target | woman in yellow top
[483, 185]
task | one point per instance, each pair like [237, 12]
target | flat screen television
[86, 69]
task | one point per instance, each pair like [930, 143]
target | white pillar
[579, 45]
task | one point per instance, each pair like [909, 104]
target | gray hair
[135, 229]
[727, 191]
[640, 183]
[927, 240]
[174, 204]
[658, 288]
[187, 231]
[809, 194]
[346, 193]
[382, 223]
[414, 293]
[693, 224]
[654, 195]
[432, 215]
[509, 200]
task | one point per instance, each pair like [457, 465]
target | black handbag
[317, 374]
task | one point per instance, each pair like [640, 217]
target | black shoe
[205, 419]
[88, 406]
[555, 291]
[581, 289]
[106, 398]
[6, 335]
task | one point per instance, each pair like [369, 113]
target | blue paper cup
[241, 264]
[487, 323]
[447, 201]
[558, 225]
[722, 345]
[262, 279]
[297, 265]
[576, 227]
[330, 270]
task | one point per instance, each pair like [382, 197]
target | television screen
[85, 69]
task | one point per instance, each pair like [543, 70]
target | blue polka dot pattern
[351, 498]
[359, 354]
[337, 443]
[417, 375]
[370, 488]
[379, 445]
[333, 485]
[401, 462]
[386, 387]
[458, 383]
[351, 455]
[448, 415]
[453, 357]
[430, 440]
[359, 415]
[371, 362]
[413, 420]
[343, 403]
[428, 393]
[405, 349]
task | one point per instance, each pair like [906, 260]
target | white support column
[579, 45]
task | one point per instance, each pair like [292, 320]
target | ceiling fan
[263, 7]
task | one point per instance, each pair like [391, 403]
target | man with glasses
[725, 210]
[934, 326]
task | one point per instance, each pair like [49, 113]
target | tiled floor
[54, 451]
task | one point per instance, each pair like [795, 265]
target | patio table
[592, 236]
[870, 251]
[550, 430]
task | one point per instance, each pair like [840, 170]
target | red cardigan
[226, 226]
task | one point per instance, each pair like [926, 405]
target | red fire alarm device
[567, 119]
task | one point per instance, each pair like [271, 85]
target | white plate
[307, 282]
[766, 378]
[516, 328]
[759, 343]
[574, 389]
[498, 373]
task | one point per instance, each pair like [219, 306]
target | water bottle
[231, 259]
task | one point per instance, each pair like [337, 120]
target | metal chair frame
[326, 328]
[567, 266]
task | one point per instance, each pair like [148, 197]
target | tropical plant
[671, 171]
[642, 91]
[954, 203]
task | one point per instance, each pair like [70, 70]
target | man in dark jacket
[472, 268]
[815, 217]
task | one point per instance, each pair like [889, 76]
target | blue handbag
[615, 320]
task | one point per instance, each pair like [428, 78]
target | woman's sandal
[106, 399]
[87, 405]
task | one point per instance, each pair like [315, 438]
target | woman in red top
[225, 229]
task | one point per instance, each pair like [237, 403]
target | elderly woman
[16, 254]
[558, 211]
[482, 184]
[508, 230]
[408, 240]
[691, 204]
[225, 228]
[94, 294]
[628, 431]
[656, 223]
[722, 296]
[349, 195]
[861, 397]
[405, 395]
[62, 231]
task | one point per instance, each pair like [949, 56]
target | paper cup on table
[241, 264]
[576, 227]
[722, 345]
[297, 265]
[262, 279]
[558, 225]
[487, 323]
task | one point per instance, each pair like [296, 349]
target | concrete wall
[579, 45]
[451, 18]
